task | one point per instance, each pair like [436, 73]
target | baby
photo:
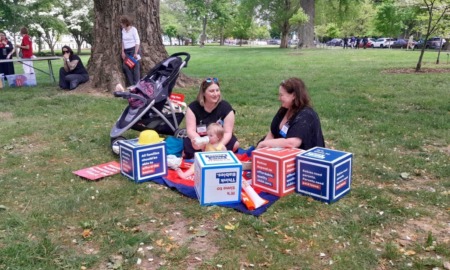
[214, 134]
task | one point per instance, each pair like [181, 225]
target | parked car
[335, 42]
[370, 41]
[401, 44]
[432, 43]
[383, 43]
[273, 42]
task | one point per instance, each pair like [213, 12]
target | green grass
[392, 123]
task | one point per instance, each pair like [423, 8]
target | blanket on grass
[186, 186]
[187, 189]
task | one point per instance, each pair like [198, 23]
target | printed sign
[99, 171]
[217, 177]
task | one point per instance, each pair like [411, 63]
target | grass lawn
[396, 217]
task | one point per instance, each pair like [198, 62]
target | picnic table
[45, 58]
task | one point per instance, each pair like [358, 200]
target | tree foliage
[79, 17]
[388, 19]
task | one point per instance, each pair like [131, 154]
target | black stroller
[149, 104]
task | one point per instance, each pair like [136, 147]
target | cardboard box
[142, 163]
[217, 177]
[18, 80]
[324, 174]
[274, 170]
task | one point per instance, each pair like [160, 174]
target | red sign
[176, 97]
[99, 171]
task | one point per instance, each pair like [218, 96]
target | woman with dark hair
[130, 48]
[73, 72]
[296, 124]
[6, 52]
[208, 108]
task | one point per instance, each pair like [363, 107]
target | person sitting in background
[296, 124]
[73, 73]
[6, 52]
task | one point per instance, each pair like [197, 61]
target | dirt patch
[6, 115]
[416, 232]
[413, 70]
[199, 240]
[86, 88]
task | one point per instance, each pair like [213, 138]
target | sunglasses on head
[210, 80]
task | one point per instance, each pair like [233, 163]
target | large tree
[105, 64]
[306, 30]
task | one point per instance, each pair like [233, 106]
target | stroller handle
[186, 59]
[127, 95]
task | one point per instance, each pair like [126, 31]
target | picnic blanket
[186, 186]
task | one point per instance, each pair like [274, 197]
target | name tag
[201, 130]
[284, 130]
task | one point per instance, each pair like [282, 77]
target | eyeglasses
[65, 51]
[210, 80]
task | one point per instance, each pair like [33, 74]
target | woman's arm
[191, 128]
[69, 65]
[122, 53]
[137, 40]
[10, 50]
[228, 126]
[293, 142]
[136, 51]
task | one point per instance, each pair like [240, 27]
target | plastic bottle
[201, 140]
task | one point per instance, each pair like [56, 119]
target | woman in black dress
[6, 52]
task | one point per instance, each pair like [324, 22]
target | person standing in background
[130, 48]
[410, 42]
[6, 52]
[345, 42]
[27, 51]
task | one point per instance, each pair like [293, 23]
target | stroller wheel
[180, 133]
[115, 144]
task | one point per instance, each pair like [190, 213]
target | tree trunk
[203, 35]
[105, 64]
[307, 30]
[284, 35]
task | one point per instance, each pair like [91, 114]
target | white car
[383, 43]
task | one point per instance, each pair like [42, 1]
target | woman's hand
[191, 128]
[123, 55]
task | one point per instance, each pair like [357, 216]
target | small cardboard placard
[99, 171]
[274, 170]
[142, 163]
[217, 178]
[324, 174]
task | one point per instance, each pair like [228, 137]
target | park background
[371, 103]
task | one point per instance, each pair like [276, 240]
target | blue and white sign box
[142, 163]
[218, 177]
[324, 174]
